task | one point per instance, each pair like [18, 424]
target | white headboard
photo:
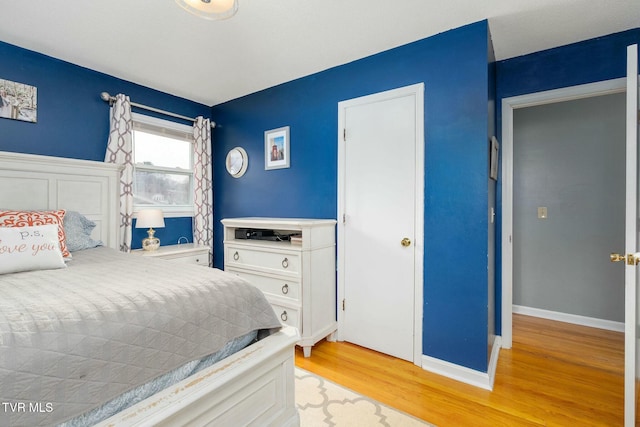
[32, 182]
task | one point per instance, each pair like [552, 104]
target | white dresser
[298, 278]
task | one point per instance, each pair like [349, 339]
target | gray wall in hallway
[569, 158]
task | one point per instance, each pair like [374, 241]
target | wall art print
[276, 148]
[18, 101]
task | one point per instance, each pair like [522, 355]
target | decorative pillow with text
[31, 218]
[30, 248]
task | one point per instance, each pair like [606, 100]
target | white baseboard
[570, 318]
[463, 374]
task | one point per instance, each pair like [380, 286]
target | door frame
[416, 90]
[508, 105]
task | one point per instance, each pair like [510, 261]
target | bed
[252, 386]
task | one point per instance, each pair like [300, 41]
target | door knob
[630, 259]
[405, 242]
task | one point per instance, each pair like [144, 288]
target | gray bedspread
[73, 338]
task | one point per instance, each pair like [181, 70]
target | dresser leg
[331, 337]
[307, 351]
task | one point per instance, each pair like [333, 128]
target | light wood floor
[556, 374]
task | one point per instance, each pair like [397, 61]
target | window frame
[170, 211]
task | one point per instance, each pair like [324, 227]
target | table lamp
[150, 218]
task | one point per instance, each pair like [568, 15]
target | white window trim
[169, 211]
[154, 121]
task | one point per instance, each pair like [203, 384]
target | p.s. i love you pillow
[30, 248]
[32, 218]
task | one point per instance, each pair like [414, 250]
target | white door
[380, 238]
[631, 242]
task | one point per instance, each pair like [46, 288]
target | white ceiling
[159, 45]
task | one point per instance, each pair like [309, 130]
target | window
[163, 171]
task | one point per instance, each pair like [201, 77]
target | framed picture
[494, 156]
[18, 101]
[276, 148]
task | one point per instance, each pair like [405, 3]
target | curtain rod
[110, 99]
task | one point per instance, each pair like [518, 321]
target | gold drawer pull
[236, 256]
[285, 263]
[284, 316]
[285, 289]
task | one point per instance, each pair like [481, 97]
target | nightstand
[188, 253]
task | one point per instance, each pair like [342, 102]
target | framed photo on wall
[494, 156]
[18, 101]
[276, 148]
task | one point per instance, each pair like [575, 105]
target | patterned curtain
[203, 197]
[120, 151]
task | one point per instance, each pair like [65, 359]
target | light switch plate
[542, 212]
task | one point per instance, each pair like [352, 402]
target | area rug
[322, 403]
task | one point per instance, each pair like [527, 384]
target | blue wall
[492, 307]
[72, 119]
[599, 59]
[453, 66]
[175, 228]
[73, 122]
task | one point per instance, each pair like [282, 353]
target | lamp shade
[210, 9]
[150, 218]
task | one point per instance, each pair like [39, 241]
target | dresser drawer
[188, 253]
[202, 259]
[271, 261]
[288, 316]
[282, 288]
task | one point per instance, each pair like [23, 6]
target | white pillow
[30, 248]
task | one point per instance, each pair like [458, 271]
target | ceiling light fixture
[214, 10]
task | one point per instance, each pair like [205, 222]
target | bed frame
[254, 387]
